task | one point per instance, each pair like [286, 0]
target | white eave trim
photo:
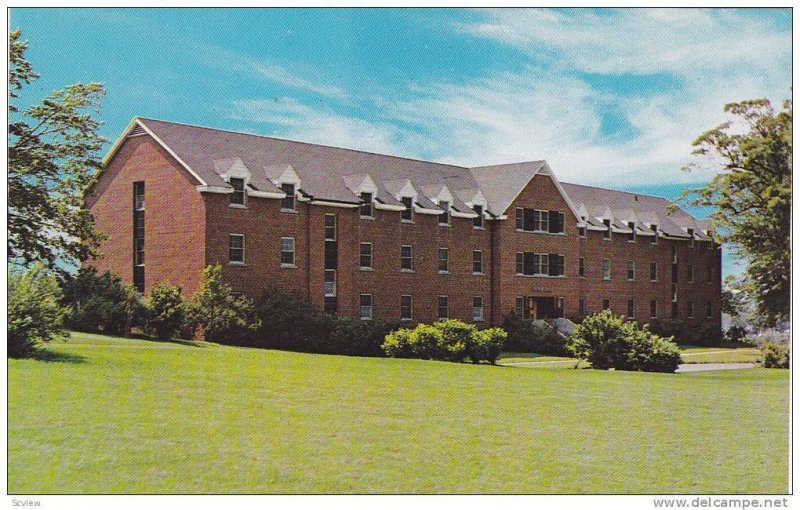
[423, 210]
[213, 189]
[389, 207]
[334, 204]
[265, 194]
[457, 214]
[250, 193]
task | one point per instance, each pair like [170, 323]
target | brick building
[369, 235]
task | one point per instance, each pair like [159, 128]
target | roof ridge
[617, 191]
[304, 143]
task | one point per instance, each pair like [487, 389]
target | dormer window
[444, 218]
[238, 195]
[607, 231]
[408, 213]
[690, 231]
[654, 228]
[287, 203]
[478, 222]
[632, 233]
[366, 205]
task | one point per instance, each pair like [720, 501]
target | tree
[751, 197]
[52, 155]
[34, 312]
[225, 317]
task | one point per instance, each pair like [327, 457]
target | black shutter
[528, 263]
[530, 222]
[560, 266]
[556, 222]
[553, 265]
[331, 255]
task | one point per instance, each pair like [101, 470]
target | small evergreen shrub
[775, 355]
[288, 321]
[525, 335]
[225, 318]
[607, 342]
[35, 314]
[397, 344]
[486, 345]
[99, 302]
[735, 333]
[457, 338]
[168, 312]
[446, 340]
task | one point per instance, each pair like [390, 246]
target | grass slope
[137, 416]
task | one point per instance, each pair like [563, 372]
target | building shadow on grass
[51, 356]
[190, 343]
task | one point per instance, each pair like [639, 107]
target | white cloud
[281, 75]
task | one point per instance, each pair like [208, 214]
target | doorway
[542, 307]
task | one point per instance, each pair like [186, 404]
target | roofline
[552, 176]
[137, 121]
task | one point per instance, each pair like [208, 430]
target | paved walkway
[702, 367]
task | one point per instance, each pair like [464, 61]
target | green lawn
[136, 416]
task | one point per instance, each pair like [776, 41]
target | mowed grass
[137, 416]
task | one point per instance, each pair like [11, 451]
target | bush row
[607, 342]
[687, 332]
[538, 336]
[446, 340]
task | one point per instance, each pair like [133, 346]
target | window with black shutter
[407, 213]
[238, 195]
[529, 263]
[556, 222]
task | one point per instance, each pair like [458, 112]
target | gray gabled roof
[329, 173]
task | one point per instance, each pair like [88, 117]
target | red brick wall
[174, 216]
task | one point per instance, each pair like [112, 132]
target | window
[138, 279]
[138, 252]
[236, 249]
[238, 195]
[287, 251]
[556, 222]
[674, 254]
[138, 196]
[709, 310]
[631, 270]
[607, 231]
[519, 306]
[330, 227]
[582, 231]
[405, 308]
[477, 262]
[138, 236]
[365, 310]
[606, 304]
[674, 273]
[653, 271]
[478, 222]
[631, 308]
[444, 263]
[520, 263]
[443, 307]
[534, 220]
[330, 283]
[407, 214]
[539, 264]
[710, 274]
[674, 310]
[444, 218]
[477, 308]
[519, 214]
[581, 268]
[689, 273]
[674, 292]
[653, 308]
[405, 258]
[632, 233]
[690, 231]
[606, 269]
[366, 205]
[581, 307]
[365, 256]
[689, 309]
[654, 239]
[287, 203]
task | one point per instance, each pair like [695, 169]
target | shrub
[687, 332]
[224, 317]
[775, 355]
[99, 303]
[607, 341]
[486, 345]
[457, 338]
[168, 313]
[288, 321]
[735, 333]
[397, 344]
[525, 335]
[34, 312]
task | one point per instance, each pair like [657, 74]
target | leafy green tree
[52, 155]
[168, 312]
[751, 196]
[34, 312]
[99, 302]
[224, 316]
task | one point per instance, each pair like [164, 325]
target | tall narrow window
[287, 251]
[689, 273]
[519, 306]
[287, 203]
[582, 231]
[581, 268]
[406, 258]
[405, 308]
[606, 269]
[541, 221]
[581, 307]
[330, 283]
[653, 271]
[365, 256]
[138, 236]
[632, 233]
[709, 310]
[607, 231]
[238, 195]
[653, 308]
[444, 218]
[674, 292]
[443, 303]
[631, 308]
[519, 215]
[366, 205]
[236, 249]
[520, 263]
[478, 221]
[330, 227]
[477, 308]
[444, 262]
[477, 262]
[541, 264]
[631, 270]
[654, 239]
[365, 308]
[606, 304]
[407, 214]
[331, 245]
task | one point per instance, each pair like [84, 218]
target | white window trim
[604, 270]
[629, 271]
[236, 262]
[371, 257]
[627, 315]
[410, 307]
[294, 253]
[447, 315]
[482, 317]
[473, 263]
[371, 307]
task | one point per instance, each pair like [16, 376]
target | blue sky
[608, 97]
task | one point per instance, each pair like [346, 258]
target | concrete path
[702, 367]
